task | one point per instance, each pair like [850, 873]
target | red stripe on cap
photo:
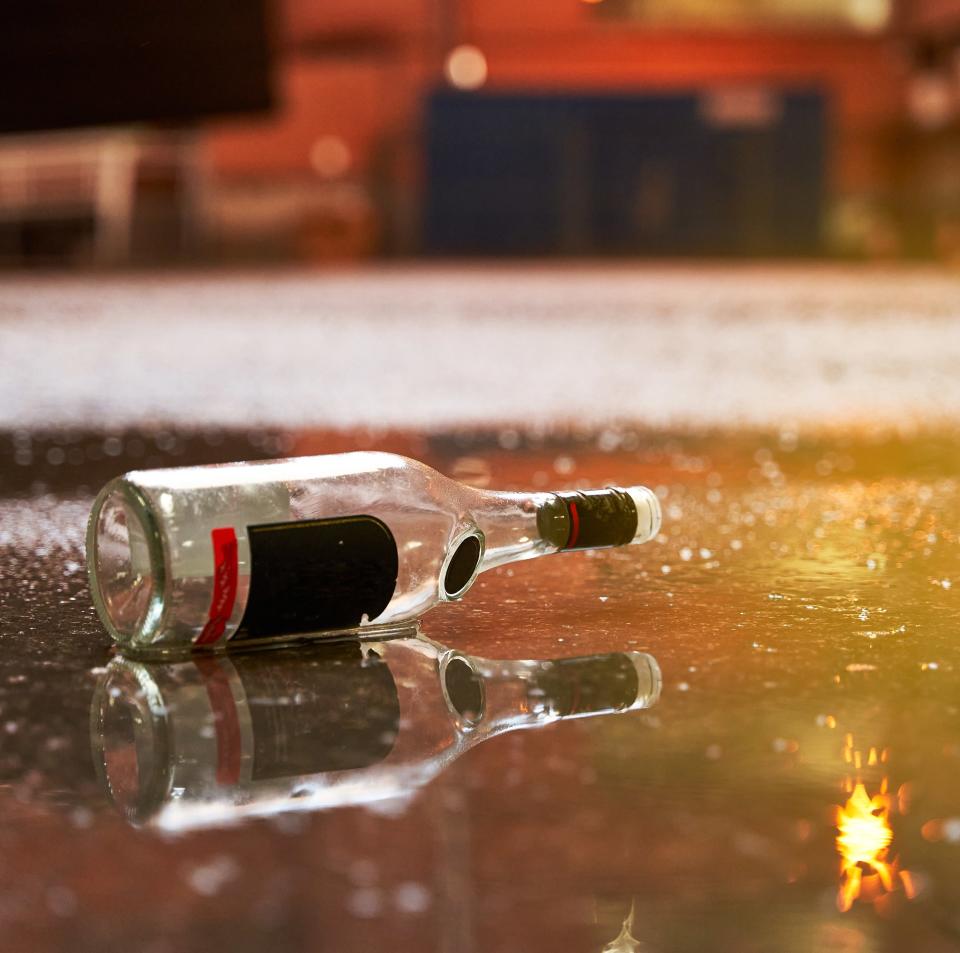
[224, 585]
[574, 526]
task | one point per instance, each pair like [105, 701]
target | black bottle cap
[589, 684]
[599, 518]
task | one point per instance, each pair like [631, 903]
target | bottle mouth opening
[125, 562]
[461, 566]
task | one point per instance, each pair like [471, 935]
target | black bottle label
[317, 575]
[310, 710]
[314, 712]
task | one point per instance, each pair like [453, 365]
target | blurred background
[137, 132]
[722, 240]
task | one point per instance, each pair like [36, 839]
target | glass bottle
[250, 552]
[217, 738]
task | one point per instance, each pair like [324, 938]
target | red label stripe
[226, 723]
[574, 526]
[224, 585]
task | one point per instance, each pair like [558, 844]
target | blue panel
[494, 175]
[620, 174]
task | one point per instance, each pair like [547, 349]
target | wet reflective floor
[742, 737]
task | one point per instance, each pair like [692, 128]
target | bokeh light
[466, 67]
[330, 157]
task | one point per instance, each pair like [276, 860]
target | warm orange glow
[864, 838]
[863, 841]
[869, 15]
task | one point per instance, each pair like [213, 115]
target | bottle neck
[523, 525]
[491, 696]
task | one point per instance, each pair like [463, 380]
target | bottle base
[173, 652]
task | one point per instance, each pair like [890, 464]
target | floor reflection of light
[863, 841]
[865, 836]
[625, 942]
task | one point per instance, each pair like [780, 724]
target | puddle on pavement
[793, 787]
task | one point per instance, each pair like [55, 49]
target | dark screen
[97, 62]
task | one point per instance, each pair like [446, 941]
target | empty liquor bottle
[187, 744]
[251, 552]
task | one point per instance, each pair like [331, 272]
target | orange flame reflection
[864, 836]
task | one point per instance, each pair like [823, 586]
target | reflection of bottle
[217, 738]
[269, 550]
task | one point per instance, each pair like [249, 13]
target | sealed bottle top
[203, 557]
